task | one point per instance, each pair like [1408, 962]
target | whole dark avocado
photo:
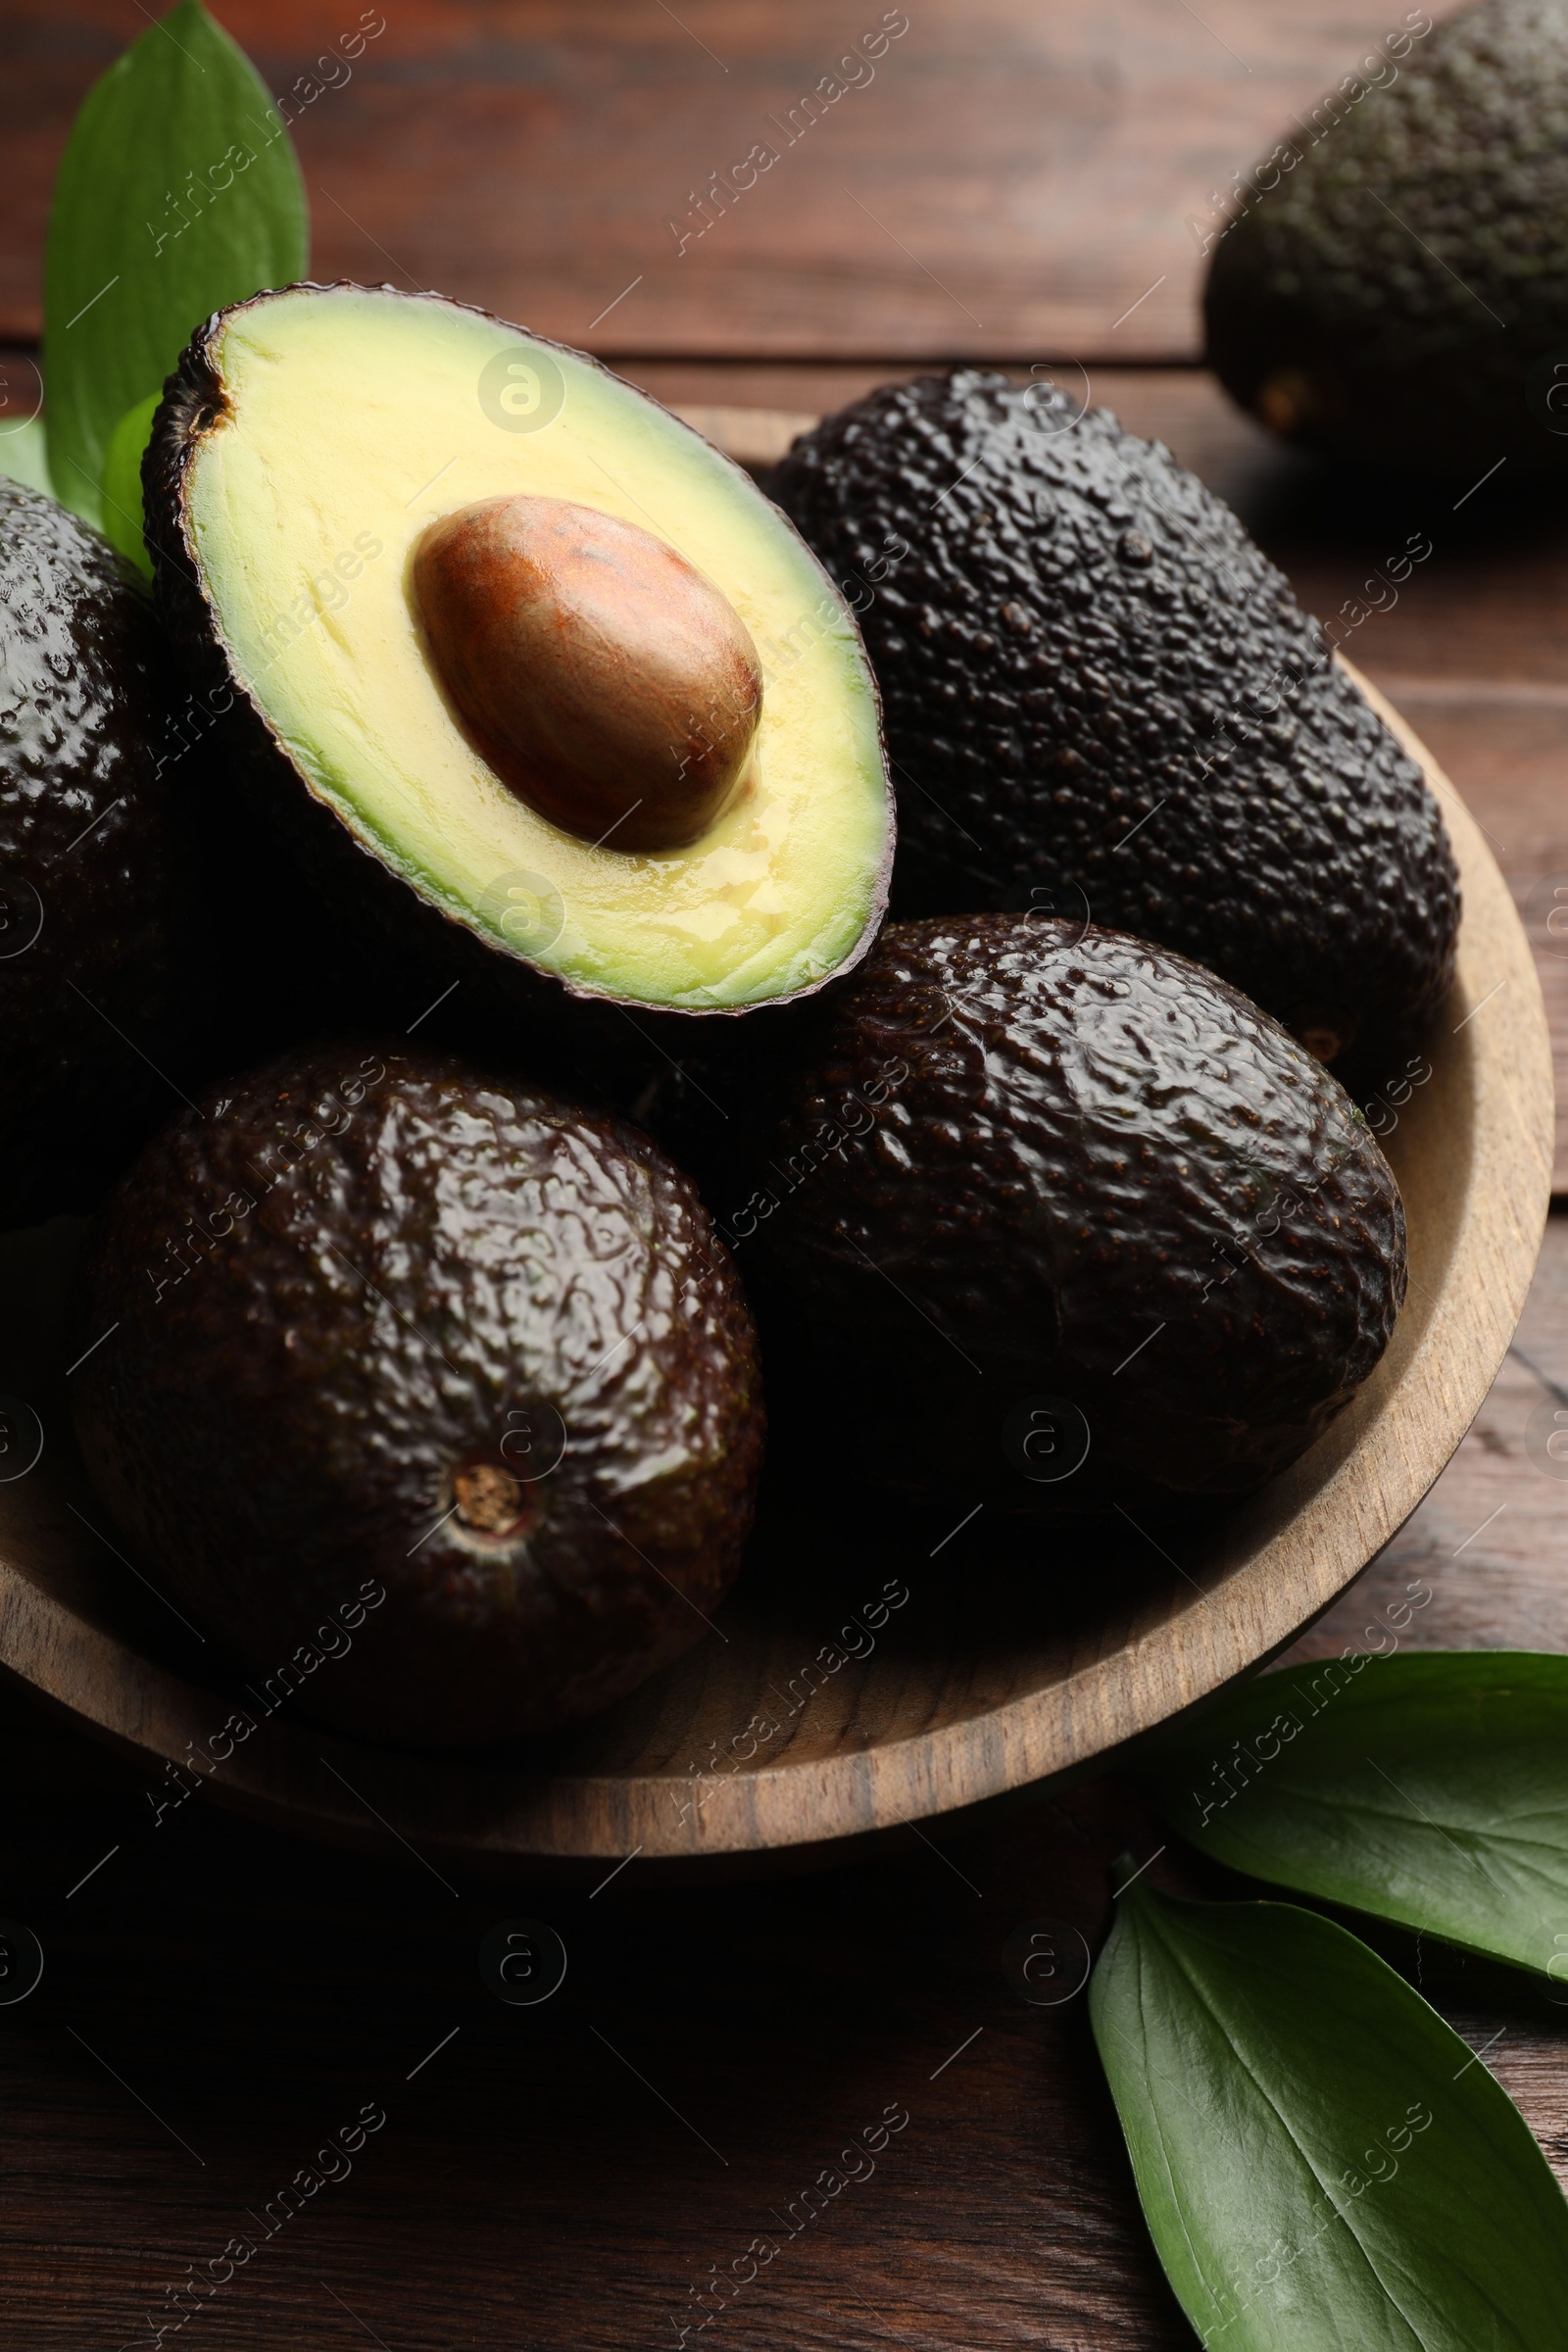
[1392, 282]
[1103, 702]
[91, 873]
[1057, 1218]
[380, 1324]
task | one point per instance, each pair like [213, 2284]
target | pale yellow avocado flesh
[353, 419]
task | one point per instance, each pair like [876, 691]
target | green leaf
[178, 191]
[23, 454]
[122, 484]
[1323, 2164]
[1430, 1788]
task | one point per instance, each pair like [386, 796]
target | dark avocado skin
[1076, 625]
[283, 1421]
[1324, 314]
[87, 843]
[1091, 1139]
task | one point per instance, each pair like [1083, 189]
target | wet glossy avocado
[1392, 283]
[90, 876]
[1103, 702]
[1055, 1217]
[536, 679]
[381, 1319]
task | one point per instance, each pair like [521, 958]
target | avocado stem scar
[489, 1500]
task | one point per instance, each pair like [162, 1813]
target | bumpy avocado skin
[452, 1271]
[1033, 1162]
[91, 885]
[1399, 292]
[1102, 701]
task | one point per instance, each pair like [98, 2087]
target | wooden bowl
[865, 1675]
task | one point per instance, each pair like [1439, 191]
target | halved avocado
[309, 445]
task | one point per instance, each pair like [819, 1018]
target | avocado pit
[608, 684]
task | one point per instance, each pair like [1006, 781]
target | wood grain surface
[999, 179]
[219, 1998]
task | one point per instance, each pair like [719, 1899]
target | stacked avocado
[1109, 1232]
[93, 899]
[1103, 701]
[1393, 283]
[446, 1336]
[1048, 1194]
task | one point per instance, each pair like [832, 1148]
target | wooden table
[217, 2002]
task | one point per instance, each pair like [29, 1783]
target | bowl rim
[1351, 1493]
